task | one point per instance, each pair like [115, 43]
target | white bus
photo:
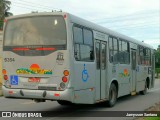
[60, 57]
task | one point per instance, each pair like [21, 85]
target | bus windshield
[37, 30]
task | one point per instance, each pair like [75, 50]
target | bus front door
[101, 69]
[133, 65]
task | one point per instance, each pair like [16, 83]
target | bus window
[110, 50]
[103, 56]
[123, 52]
[44, 32]
[86, 53]
[36, 31]
[77, 51]
[115, 51]
[83, 44]
[88, 40]
[78, 37]
[98, 55]
[144, 56]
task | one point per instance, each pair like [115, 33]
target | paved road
[126, 103]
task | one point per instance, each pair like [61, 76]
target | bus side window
[98, 55]
[83, 44]
[110, 50]
[113, 50]
[103, 47]
[123, 52]
[77, 51]
[78, 37]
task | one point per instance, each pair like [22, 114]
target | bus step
[133, 93]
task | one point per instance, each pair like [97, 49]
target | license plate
[34, 79]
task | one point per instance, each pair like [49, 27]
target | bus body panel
[124, 77]
[67, 94]
[49, 71]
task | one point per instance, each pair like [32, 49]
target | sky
[139, 19]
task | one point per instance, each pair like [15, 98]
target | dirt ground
[155, 107]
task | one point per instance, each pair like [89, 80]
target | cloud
[135, 18]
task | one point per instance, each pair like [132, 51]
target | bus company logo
[34, 69]
[124, 74]
[60, 58]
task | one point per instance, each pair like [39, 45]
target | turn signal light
[64, 79]
[66, 72]
[4, 72]
[5, 77]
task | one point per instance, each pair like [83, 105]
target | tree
[157, 57]
[4, 8]
[157, 60]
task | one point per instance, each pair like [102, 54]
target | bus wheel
[63, 102]
[112, 95]
[143, 92]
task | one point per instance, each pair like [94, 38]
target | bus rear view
[35, 64]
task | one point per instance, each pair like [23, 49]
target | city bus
[60, 57]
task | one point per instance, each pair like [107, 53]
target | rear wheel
[63, 102]
[112, 95]
[143, 92]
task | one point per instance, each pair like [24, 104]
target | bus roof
[85, 23]
[99, 28]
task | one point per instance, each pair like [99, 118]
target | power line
[125, 19]
[138, 23]
[129, 28]
[49, 7]
[24, 4]
[129, 15]
[24, 7]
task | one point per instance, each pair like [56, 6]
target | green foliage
[157, 58]
[4, 8]
[157, 70]
[152, 118]
[1, 24]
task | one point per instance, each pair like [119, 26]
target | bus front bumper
[67, 94]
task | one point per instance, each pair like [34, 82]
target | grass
[152, 118]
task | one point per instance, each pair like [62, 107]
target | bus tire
[112, 95]
[143, 92]
[63, 102]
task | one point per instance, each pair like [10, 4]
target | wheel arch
[116, 84]
[148, 82]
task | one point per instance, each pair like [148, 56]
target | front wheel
[112, 95]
